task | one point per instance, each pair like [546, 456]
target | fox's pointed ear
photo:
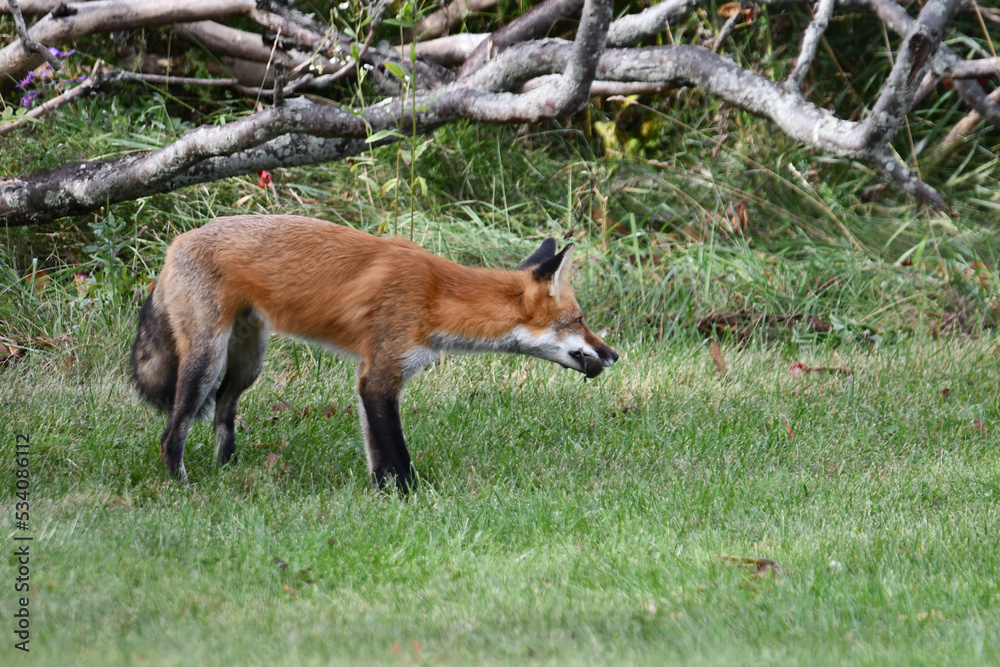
[545, 251]
[555, 270]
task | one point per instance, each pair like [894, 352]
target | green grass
[558, 521]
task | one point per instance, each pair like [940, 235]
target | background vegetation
[559, 521]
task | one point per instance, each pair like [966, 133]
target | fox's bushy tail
[154, 356]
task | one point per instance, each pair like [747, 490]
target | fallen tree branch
[984, 68]
[80, 19]
[32, 7]
[519, 79]
[447, 18]
[222, 40]
[533, 24]
[446, 51]
[28, 44]
[208, 151]
[956, 135]
[810, 42]
[631, 29]
[899, 21]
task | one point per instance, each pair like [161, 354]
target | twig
[279, 83]
[363, 51]
[29, 45]
[727, 28]
[98, 77]
[973, 69]
[810, 42]
[903, 176]
[534, 23]
[446, 51]
[606, 89]
[631, 29]
[570, 94]
[450, 15]
[34, 7]
[973, 94]
[961, 129]
[373, 25]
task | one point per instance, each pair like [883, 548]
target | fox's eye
[579, 320]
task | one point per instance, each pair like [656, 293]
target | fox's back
[308, 277]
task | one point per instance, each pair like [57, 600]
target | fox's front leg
[388, 460]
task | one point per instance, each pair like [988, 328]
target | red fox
[204, 328]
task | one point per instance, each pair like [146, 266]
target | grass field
[558, 521]
[664, 513]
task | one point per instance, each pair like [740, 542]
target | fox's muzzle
[592, 366]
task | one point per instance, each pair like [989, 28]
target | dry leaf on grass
[717, 358]
[756, 565]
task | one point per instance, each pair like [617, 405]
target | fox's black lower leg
[197, 376]
[387, 455]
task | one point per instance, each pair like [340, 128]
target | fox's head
[555, 328]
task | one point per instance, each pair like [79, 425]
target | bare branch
[904, 177]
[554, 77]
[727, 28]
[448, 18]
[287, 22]
[446, 51]
[104, 15]
[974, 95]
[900, 22]
[810, 42]
[605, 89]
[912, 62]
[169, 80]
[29, 45]
[631, 29]
[222, 40]
[570, 93]
[92, 83]
[973, 69]
[533, 24]
[77, 188]
[962, 129]
[32, 7]
[279, 84]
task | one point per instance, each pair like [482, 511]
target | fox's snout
[591, 365]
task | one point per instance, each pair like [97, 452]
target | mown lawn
[558, 521]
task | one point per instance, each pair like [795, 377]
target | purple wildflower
[61, 54]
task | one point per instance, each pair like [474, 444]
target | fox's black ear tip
[553, 265]
[548, 249]
[544, 252]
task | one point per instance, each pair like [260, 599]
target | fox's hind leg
[197, 376]
[247, 344]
